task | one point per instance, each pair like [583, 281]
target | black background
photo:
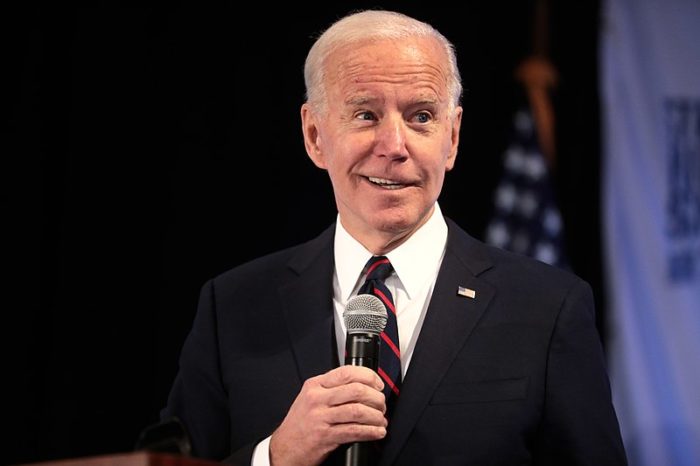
[147, 149]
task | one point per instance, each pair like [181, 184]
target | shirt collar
[414, 261]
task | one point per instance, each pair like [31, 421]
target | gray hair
[372, 24]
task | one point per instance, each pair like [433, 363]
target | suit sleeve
[198, 396]
[579, 425]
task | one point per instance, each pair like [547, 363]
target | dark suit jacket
[515, 375]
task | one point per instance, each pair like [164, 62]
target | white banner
[650, 88]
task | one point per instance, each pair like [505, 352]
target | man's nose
[391, 138]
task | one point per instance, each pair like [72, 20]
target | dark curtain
[147, 149]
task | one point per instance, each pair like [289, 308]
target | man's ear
[456, 125]
[312, 136]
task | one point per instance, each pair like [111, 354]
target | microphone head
[365, 313]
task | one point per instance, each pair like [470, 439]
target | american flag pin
[466, 292]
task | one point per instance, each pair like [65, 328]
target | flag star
[523, 123]
[552, 221]
[498, 235]
[534, 166]
[515, 160]
[527, 204]
[506, 197]
[545, 252]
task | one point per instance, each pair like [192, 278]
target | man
[500, 359]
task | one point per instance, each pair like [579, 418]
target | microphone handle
[361, 454]
[362, 349]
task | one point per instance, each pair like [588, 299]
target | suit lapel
[448, 323]
[307, 299]
[308, 306]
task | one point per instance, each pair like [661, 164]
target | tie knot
[378, 268]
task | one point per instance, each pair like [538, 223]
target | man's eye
[423, 117]
[367, 116]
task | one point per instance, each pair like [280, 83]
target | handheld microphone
[365, 318]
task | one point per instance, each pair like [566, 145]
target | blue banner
[650, 102]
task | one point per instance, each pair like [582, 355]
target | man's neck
[381, 242]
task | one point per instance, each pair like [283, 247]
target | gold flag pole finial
[539, 77]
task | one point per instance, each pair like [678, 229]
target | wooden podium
[140, 458]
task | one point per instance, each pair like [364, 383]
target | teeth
[389, 184]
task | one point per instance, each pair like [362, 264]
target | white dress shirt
[416, 264]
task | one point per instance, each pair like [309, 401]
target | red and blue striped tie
[378, 268]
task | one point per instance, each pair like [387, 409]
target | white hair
[372, 25]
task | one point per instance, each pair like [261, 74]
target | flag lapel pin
[466, 292]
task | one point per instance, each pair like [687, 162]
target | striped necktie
[378, 268]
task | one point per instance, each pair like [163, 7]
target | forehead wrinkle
[359, 100]
[427, 85]
[357, 73]
[363, 72]
[422, 99]
[360, 94]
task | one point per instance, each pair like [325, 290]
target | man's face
[386, 136]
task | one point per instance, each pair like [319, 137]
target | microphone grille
[365, 313]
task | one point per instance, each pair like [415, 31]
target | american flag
[526, 218]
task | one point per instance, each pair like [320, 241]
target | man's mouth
[386, 184]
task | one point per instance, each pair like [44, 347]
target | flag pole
[539, 76]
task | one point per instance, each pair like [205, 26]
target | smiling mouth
[386, 184]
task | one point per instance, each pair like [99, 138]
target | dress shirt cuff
[261, 454]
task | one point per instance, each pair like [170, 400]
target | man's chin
[396, 224]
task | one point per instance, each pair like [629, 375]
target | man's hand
[343, 405]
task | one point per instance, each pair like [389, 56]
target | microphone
[365, 318]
